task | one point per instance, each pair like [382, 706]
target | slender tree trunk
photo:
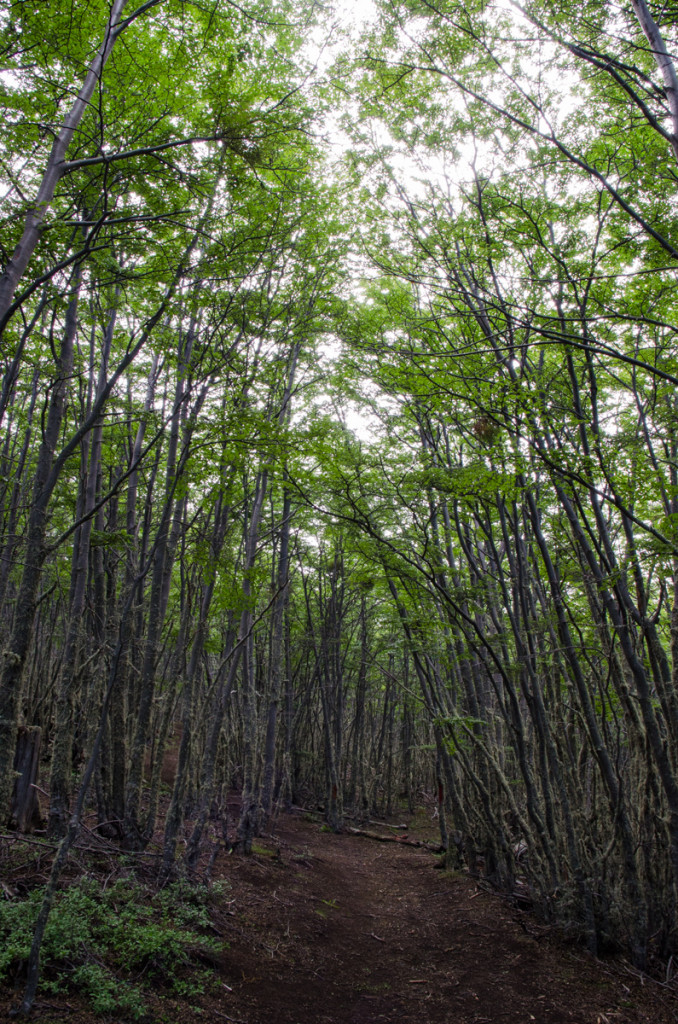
[249, 819]
[277, 654]
[56, 166]
[44, 481]
[60, 778]
[664, 63]
[134, 836]
[12, 537]
[175, 811]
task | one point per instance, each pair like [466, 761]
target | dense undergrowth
[115, 943]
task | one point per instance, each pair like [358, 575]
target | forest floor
[342, 929]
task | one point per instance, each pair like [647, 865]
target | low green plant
[111, 944]
[262, 851]
[105, 992]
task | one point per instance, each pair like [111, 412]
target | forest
[339, 434]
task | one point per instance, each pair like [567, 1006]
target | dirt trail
[338, 929]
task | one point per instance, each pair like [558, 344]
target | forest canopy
[339, 431]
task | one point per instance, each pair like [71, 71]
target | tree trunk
[44, 481]
[56, 166]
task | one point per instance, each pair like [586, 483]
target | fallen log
[400, 840]
[370, 821]
[385, 824]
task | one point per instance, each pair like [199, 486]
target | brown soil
[340, 929]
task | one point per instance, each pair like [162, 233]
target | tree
[478, 597]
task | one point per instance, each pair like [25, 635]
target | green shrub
[106, 994]
[109, 945]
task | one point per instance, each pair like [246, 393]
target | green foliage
[110, 944]
[459, 729]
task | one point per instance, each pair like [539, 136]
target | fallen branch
[354, 817]
[307, 810]
[14, 837]
[400, 840]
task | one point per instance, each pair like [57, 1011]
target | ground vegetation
[341, 474]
